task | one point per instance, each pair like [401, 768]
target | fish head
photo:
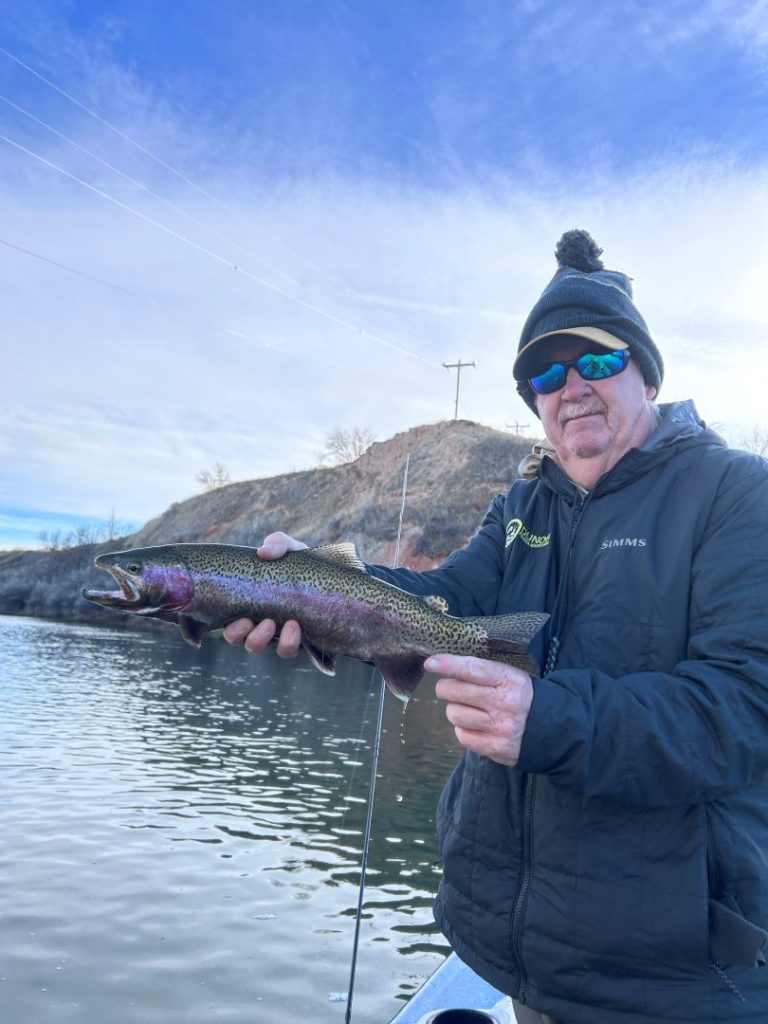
[151, 581]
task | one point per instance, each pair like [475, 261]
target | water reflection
[182, 831]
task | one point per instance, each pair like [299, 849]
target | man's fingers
[469, 719]
[289, 641]
[456, 691]
[487, 703]
[236, 632]
[260, 636]
[468, 669]
[276, 545]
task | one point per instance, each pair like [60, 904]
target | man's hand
[486, 702]
[257, 637]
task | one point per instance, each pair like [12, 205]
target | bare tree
[85, 533]
[347, 445]
[756, 442]
[110, 530]
[219, 476]
[115, 528]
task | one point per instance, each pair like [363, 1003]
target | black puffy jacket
[619, 873]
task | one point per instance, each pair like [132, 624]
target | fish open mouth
[128, 596]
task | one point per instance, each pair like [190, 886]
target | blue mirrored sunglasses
[590, 366]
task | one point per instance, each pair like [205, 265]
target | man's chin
[586, 436]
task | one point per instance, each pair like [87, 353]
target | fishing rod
[372, 785]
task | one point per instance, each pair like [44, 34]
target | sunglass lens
[595, 367]
[590, 366]
[552, 379]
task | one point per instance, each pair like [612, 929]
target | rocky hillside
[455, 469]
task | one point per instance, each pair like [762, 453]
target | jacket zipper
[561, 601]
[529, 793]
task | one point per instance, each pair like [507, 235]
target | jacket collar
[679, 424]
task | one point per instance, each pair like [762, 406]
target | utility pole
[519, 426]
[457, 367]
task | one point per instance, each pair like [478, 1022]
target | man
[605, 837]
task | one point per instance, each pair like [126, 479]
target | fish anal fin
[402, 673]
[192, 630]
[322, 660]
[345, 553]
[437, 604]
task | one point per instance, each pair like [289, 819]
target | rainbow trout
[340, 607]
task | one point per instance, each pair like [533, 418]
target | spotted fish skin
[340, 607]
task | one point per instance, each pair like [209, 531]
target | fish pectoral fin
[192, 630]
[345, 553]
[322, 660]
[437, 604]
[402, 673]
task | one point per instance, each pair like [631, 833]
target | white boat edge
[454, 994]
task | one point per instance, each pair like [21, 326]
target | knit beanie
[585, 299]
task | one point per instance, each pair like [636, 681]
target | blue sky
[285, 217]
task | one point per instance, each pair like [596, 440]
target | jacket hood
[679, 422]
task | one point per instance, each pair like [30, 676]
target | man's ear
[650, 392]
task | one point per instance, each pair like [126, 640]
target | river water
[181, 833]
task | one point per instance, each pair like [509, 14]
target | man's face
[594, 423]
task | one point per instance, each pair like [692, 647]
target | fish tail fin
[509, 636]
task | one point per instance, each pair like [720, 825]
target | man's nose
[575, 387]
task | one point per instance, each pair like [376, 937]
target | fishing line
[372, 786]
[364, 719]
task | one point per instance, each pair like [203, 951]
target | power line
[160, 162]
[178, 210]
[137, 184]
[112, 127]
[378, 339]
[167, 306]
[146, 298]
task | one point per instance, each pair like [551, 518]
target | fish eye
[133, 568]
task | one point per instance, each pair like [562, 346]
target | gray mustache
[583, 409]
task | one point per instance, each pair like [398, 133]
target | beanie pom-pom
[578, 249]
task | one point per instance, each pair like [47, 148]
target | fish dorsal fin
[345, 553]
[437, 604]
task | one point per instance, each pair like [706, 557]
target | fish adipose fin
[402, 673]
[437, 604]
[322, 660]
[192, 630]
[345, 553]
